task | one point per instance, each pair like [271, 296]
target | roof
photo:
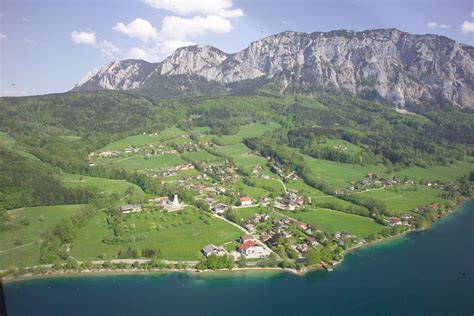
[245, 199]
[208, 249]
[248, 244]
[128, 207]
[246, 237]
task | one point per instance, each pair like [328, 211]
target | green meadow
[202, 156]
[22, 243]
[108, 186]
[139, 163]
[402, 201]
[332, 221]
[143, 140]
[179, 235]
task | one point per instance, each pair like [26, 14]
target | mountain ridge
[399, 67]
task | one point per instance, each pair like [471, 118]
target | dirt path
[25, 245]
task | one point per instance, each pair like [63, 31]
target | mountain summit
[399, 67]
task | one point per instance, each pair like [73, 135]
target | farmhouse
[213, 250]
[394, 221]
[245, 201]
[250, 247]
[246, 237]
[130, 208]
[219, 208]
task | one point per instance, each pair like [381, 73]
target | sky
[47, 46]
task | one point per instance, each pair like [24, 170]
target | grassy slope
[107, 186]
[182, 242]
[138, 163]
[332, 221]
[404, 201]
[29, 255]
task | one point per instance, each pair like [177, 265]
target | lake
[422, 273]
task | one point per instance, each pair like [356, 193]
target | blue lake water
[423, 273]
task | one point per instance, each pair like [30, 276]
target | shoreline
[193, 271]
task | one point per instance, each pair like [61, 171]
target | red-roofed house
[245, 201]
[251, 247]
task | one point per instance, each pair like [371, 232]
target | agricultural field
[402, 201]
[138, 163]
[179, 235]
[202, 156]
[107, 186]
[332, 221]
[21, 244]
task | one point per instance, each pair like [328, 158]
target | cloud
[25, 19]
[137, 53]
[109, 49]
[86, 38]
[180, 28]
[89, 38]
[435, 25]
[467, 27]
[138, 28]
[30, 41]
[2, 36]
[13, 93]
[222, 8]
[175, 32]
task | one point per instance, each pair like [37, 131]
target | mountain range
[401, 68]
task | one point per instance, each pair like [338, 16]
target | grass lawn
[179, 235]
[137, 163]
[107, 186]
[202, 156]
[269, 185]
[404, 201]
[333, 221]
[253, 192]
[41, 218]
[303, 188]
[246, 212]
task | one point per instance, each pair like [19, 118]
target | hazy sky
[47, 46]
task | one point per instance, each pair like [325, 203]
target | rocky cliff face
[400, 67]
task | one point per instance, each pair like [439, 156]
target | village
[269, 224]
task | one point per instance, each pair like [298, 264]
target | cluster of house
[373, 180]
[290, 202]
[398, 221]
[167, 204]
[224, 174]
[426, 208]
